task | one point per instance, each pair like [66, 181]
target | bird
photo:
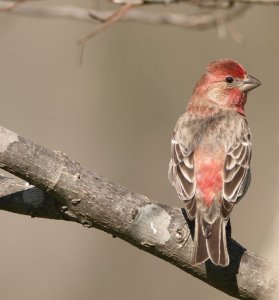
[210, 156]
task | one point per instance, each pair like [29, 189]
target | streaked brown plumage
[210, 156]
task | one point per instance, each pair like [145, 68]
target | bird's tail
[210, 241]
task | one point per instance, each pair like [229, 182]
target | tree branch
[202, 20]
[20, 197]
[75, 194]
[264, 2]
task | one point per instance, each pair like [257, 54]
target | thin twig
[113, 18]
[234, 33]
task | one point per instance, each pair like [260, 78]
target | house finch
[210, 155]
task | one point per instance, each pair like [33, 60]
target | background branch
[84, 197]
[201, 20]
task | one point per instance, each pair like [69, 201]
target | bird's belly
[209, 166]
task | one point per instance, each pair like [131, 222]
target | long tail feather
[210, 241]
[200, 253]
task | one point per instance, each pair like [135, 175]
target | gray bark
[66, 191]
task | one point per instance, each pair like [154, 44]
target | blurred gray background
[115, 115]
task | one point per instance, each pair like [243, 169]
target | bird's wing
[181, 169]
[236, 171]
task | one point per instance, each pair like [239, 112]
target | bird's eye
[229, 79]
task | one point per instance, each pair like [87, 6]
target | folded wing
[237, 173]
[181, 175]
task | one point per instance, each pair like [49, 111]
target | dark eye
[229, 79]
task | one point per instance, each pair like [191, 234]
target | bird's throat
[237, 102]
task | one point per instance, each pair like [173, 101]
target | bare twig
[235, 33]
[86, 198]
[114, 17]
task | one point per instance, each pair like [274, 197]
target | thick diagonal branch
[72, 193]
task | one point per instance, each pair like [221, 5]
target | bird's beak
[249, 83]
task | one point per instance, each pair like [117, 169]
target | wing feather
[236, 171]
[181, 175]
